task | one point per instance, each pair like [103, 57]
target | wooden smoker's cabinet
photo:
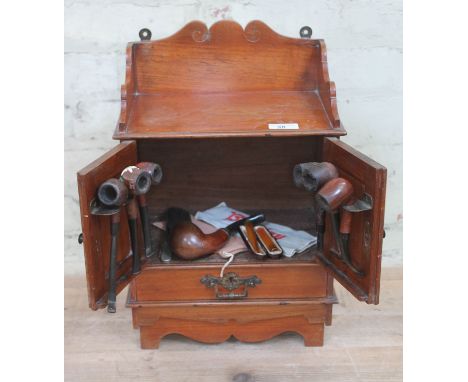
[199, 103]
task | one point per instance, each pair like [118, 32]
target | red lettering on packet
[235, 216]
[277, 236]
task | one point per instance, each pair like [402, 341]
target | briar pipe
[334, 194]
[312, 176]
[331, 197]
[112, 193]
[155, 172]
[138, 182]
[188, 242]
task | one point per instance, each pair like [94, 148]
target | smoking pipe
[312, 176]
[188, 242]
[153, 169]
[155, 172]
[333, 195]
[113, 193]
[345, 231]
[138, 182]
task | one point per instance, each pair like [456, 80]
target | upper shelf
[226, 81]
[226, 114]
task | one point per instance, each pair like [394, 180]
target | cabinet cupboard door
[96, 229]
[367, 229]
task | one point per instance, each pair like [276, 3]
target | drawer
[272, 281]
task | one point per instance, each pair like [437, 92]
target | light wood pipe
[346, 220]
[334, 194]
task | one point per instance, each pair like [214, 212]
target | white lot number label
[283, 126]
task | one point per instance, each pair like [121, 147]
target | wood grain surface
[227, 81]
[246, 173]
[227, 115]
[278, 281]
[96, 229]
[364, 344]
[367, 230]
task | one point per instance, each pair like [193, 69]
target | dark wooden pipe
[155, 172]
[138, 182]
[144, 216]
[153, 169]
[113, 193]
[112, 295]
[188, 242]
[313, 175]
[320, 225]
[132, 225]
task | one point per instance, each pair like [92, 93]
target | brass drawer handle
[230, 282]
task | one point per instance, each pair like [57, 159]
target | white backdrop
[364, 44]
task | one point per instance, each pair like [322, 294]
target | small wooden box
[200, 103]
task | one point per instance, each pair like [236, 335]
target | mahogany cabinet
[210, 106]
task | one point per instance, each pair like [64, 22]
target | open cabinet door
[96, 229]
[367, 229]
